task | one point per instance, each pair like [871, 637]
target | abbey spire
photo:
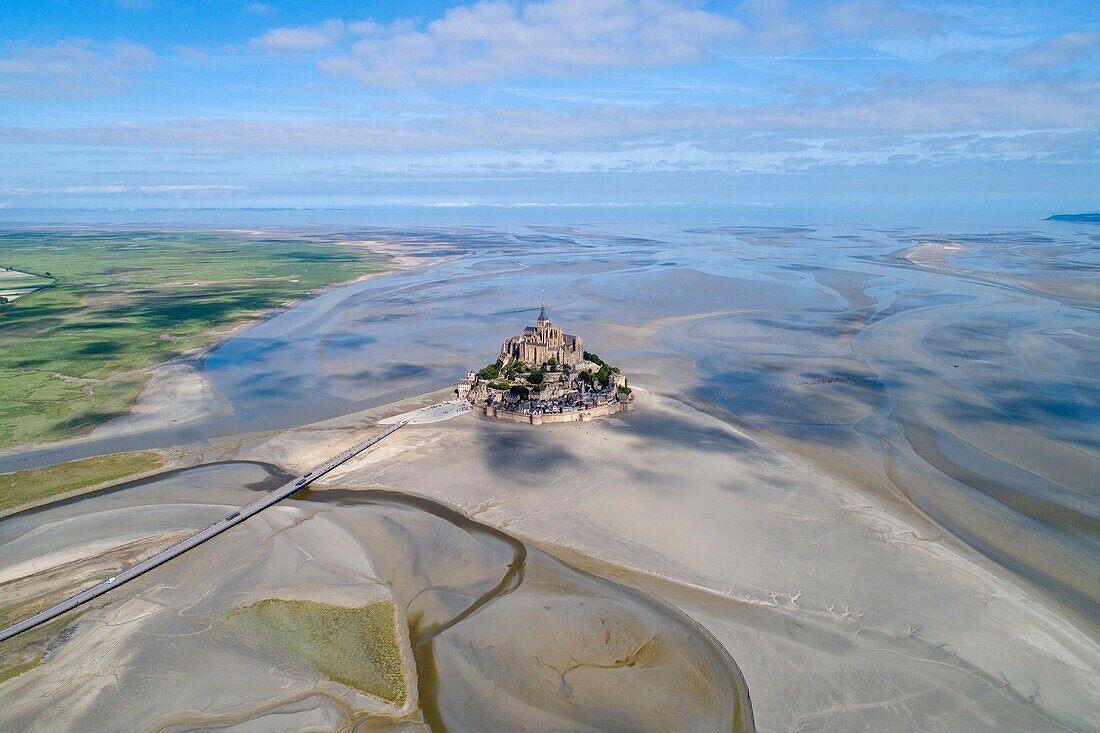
[542, 309]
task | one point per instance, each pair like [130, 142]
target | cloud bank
[493, 40]
[70, 67]
[540, 87]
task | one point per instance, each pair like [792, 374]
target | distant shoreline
[1086, 218]
[128, 376]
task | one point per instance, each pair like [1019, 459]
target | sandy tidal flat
[843, 612]
[493, 634]
[862, 472]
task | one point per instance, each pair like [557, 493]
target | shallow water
[503, 634]
[956, 368]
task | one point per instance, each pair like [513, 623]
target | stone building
[465, 385]
[540, 343]
[543, 376]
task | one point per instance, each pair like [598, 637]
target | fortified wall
[544, 375]
[584, 415]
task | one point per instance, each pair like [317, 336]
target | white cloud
[493, 39]
[945, 105]
[191, 53]
[940, 107]
[302, 39]
[1057, 50]
[70, 67]
[776, 29]
[719, 142]
[882, 18]
[159, 189]
[257, 8]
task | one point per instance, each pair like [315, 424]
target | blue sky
[853, 104]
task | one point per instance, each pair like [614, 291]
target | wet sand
[865, 461]
[841, 610]
[175, 393]
[503, 635]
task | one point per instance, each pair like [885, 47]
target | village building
[545, 375]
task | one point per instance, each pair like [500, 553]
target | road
[433, 413]
[193, 541]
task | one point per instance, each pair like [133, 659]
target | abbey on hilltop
[545, 375]
[540, 343]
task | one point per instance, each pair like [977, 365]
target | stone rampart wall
[558, 417]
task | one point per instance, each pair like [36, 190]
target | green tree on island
[490, 372]
[603, 376]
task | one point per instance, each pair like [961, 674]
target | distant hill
[1091, 218]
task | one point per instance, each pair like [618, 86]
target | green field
[29, 649]
[24, 487]
[356, 647]
[121, 301]
[15, 284]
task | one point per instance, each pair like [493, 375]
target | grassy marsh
[122, 301]
[356, 647]
[23, 487]
[27, 651]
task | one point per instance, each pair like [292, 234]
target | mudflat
[858, 490]
[71, 353]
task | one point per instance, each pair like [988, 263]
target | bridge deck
[196, 539]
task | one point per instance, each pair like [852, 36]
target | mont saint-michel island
[544, 375]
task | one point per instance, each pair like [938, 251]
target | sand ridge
[753, 540]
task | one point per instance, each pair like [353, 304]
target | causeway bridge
[191, 542]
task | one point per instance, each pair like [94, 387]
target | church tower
[542, 310]
[542, 342]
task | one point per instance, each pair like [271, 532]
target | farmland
[24, 487]
[114, 303]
